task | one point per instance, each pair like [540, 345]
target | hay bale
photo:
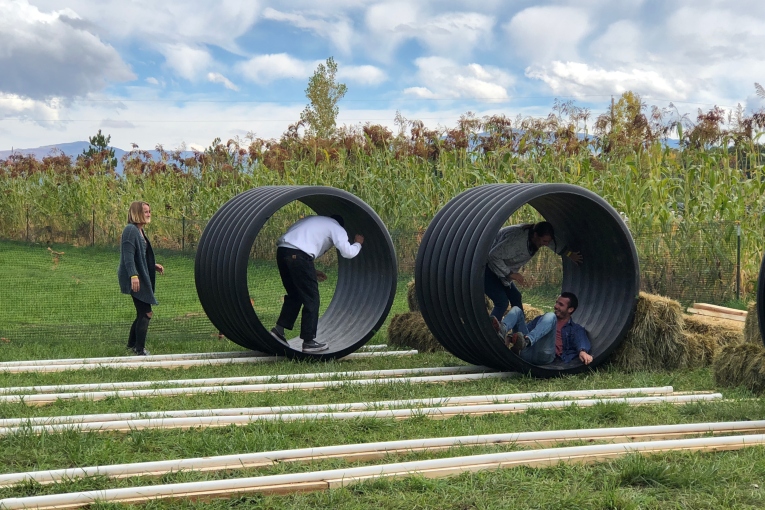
[409, 330]
[752, 326]
[701, 349]
[741, 364]
[411, 297]
[717, 333]
[655, 340]
[530, 313]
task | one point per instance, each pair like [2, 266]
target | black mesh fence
[59, 286]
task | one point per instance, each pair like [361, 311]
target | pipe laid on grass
[49, 398]
[66, 388]
[367, 451]
[430, 412]
[183, 363]
[157, 357]
[351, 406]
[336, 478]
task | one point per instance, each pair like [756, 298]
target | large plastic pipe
[48, 398]
[351, 406]
[366, 284]
[182, 363]
[215, 381]
[431, 412]
[454, 251]
[335, 478]
[366, 451]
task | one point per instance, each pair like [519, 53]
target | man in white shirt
[303, 242]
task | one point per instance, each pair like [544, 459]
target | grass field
[73, 308]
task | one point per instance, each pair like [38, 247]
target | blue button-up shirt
[574, 339]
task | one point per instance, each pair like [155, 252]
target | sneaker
[520, 342]
[499, 327]
[279, 336]
[314, 346]
[142, 352]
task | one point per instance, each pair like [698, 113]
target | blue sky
[186, 71]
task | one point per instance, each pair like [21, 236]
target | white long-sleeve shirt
[315, 235]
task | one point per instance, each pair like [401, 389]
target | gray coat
[510, 251]
[137, 258]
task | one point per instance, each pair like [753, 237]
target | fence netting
[60, 286]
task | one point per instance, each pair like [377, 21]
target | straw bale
[752, 326]
[701, 349]
[741, 364]
[411, 297]
[716, 332]
[530, 313]
[409, 330]
[655, 340]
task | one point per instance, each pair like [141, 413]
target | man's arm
[340, 240]
[583, 345]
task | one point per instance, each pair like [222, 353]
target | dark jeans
[299, 279]
[137, 338]
[500, 294]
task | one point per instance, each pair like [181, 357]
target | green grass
[49, 308]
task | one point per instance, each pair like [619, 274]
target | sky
[182, 72]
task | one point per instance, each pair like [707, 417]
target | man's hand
[320, 276]
[518, 277]
[160, 269]
[576, 257]
[585, 358]
[358, 239]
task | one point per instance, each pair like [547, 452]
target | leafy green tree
[324, 92]
[99, 151]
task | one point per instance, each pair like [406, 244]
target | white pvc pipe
[182, 363]
[65, 388]
[248, 388]
[156, 357]
[342, 477]
[132, 359]
[351, 406]
[379, 449]
[434, 412]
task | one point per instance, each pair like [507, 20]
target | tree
[99, 151]
[324, 92]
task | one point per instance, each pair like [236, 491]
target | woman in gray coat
[137, 273]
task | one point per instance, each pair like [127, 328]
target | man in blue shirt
[550, 337]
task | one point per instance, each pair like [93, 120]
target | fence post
[27, 223]
[183, 229]
[93, 229]
[738, 260]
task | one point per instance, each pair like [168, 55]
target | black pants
[137, 338]
[299, 279]
[500, 294]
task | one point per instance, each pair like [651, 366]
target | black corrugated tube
[449, 272]
[366, 284]
[761, 299]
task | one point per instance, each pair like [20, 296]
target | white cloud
[621, 43]
[219, 78]
[365, 75]
[42, 56]
[444, 78]
[264, 69]
[581, 80]
[152, 80]
[42, 112]
[546, 33]
[451, 33]
[186, 61]
[336, 27]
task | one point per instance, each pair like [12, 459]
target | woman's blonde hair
[135, 213]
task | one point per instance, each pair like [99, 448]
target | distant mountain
[74, 149]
